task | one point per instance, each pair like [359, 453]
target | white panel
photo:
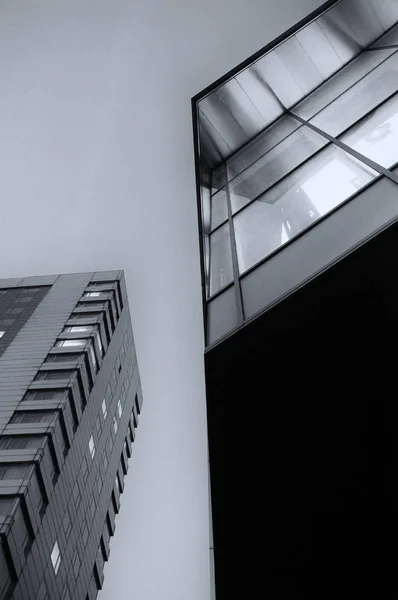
[259, 94]
[318, 47]
[299, 65]
[222, 121]
[386, 10]
[279, 79]
[322, 245]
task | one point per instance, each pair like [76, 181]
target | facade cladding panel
[66, 430]
[296, 156]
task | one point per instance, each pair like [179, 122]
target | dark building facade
[296, 156]
[70, 397]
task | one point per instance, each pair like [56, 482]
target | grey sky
[96, 172]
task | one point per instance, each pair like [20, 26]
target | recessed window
[54, 375]
[93, 357]
[2, 333]
[104, 409]
[23, 299]
[117, 484]
[56, 557]
[14, 311]
[10, 471]
[6, 505]
[84, 533]
[78, 329]
[66, 523]
[91, 294]
[115, 424]
[5, 323]
[45, 395]
[64, 357]
[91, 446]
[33, 416]
[71, 343]
[119, 408]
[19, 442]
[98, 339]
[76, 495]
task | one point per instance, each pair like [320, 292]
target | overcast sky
[96, 172]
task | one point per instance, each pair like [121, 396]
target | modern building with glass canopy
[296, 154]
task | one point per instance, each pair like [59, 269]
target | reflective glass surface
[219, 211]
[337, 85]
[295, 203]
[274, 165]
[376, 136]
[220, 259]
[360, 99]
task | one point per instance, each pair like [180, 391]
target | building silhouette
[296, 154]
[70, 397]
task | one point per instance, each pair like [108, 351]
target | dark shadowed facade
[70, 396]
[297, 182]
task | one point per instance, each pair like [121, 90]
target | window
[98, 339]
[55, 557]
[99, 484]
[137, 406]
[2, 333]
[6, 505]
[23, 299]
[93, 305]
[20, 442]
[66, 374]
[90, 316]
[93, 357]
[106, 286]
[104, 409]
[64, 357]
[14, 311]
[70, 343]
[4, 323]
[78, 329]
[105, 461]
[91, 446]
[76, 563]
[119, 408]
[92, 507]
[221, 259]
[98, 426]
[117, 484]
[115, 425]
[91, 294]
[33, 416]
[45, 395]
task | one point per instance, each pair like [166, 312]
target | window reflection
[298, 201]
[220, 259]
[274, 165]
[376, 136]
[219, 212]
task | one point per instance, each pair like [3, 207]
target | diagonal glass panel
[219, 211]
[360, 99]
[274, 165]
[376, 136]
[298, 201]
[340, 83]
[221, 272]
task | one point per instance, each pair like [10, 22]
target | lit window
[98, 338]
[78, 329]
[91, 446]
[67, 343]
[119, 408]
[93, 358]
[115, 424]
[117, 483]
[56, 557]
[92, 294]
[104, 409]
[2, 333]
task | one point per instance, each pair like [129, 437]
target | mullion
[367, 161]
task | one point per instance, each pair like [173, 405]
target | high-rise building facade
[296, 156]
[70, 396]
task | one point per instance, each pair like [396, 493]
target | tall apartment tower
[70, 397]
[297, 170]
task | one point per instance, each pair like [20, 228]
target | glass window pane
[220, 259]
[274, 165]
[219, 211]
[299, 200]
[376, 136]
[360, 99]
[340, 83]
